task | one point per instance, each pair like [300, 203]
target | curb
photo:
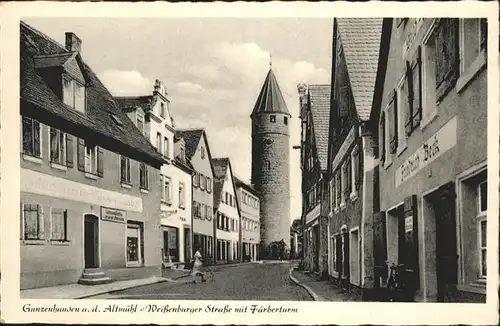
[85, 296]
[313, 294]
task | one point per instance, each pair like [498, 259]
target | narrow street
[268, 281]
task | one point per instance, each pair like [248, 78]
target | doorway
[91, 241]
[187, 244]
[443, 204]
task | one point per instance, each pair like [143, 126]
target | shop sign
[48, 185]
[434, 147]
[313, 214]
[409, 223]
[113, 215]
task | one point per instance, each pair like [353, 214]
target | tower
[271, 165]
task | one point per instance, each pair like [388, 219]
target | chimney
[73, 43]
[302, 89]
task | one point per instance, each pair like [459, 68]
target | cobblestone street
[268, 281]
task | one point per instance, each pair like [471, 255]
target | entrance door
[446, 242]
[91, 254]
[316, 248]
[165, 246]
[187, 244]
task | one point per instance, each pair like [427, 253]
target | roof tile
[319, 96]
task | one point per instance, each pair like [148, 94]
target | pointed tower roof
[270, 99]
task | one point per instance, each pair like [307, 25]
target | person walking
[197, 266]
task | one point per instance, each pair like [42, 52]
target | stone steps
[94, 276]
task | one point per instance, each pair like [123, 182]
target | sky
[213, 68]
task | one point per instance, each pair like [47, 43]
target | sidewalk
[321, 290]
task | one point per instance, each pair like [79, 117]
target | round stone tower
[271, 166]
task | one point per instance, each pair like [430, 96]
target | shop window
[59, 224]
[481, 217]
[124, 169]
[57, 146]
[32, 222]
[143, 176]
[32, 137]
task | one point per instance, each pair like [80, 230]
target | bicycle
[394, 284]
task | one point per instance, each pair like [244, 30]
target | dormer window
[74, 94]
[140, 122]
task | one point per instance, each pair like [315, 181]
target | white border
[346, 313]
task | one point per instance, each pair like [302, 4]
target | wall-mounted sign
[47, 185]
[113, 215]
[409, 223]
[437, 145]
[314, 214]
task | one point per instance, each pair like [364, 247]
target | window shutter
[53, 149]
[407, 84]
[447, 58]
[81, 154]
[393, 123]
[69, 150]
[381, 140]
[349, 175]
[100, 162]
[415, 88]
[41, 234]
[357, 167]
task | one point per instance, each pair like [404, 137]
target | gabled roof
[52, 60]
[241, 184]
[360, 38]
[270, 99]
[221, 167]
[132, 102]
[191, 138]
[319, 99]
[39, 101]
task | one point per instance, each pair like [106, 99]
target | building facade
[78, 223]
[197, 151]
[227, 213]
[315, 114]
[356, 44]
[249, 201]
[431, 129]
[271, 167]
[151, 115]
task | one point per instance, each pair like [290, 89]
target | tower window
[272, 118]
[285, 120]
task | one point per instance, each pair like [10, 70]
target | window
[355, 175]
[140, 122]
[202, 152]
[166, 147]
[124, 169]
[473, 34]
[90, 158]
[381, 138]
[440, 64]
[162, 110]
[32, 137]
[413, 111]
[74, 94]
[285, 120]
[181, 195]
[196, 179]
[392, 114]
[227, 198]
[202, 182]
[59, 224]
[209, 185]
[167, 190]
[272, 118]
[331, 194]
[402, 108]
[334, 253]
[57, 146]
[134, 244]
[338, 187]
[345, 184]
[482, 211]
[143, 176]
[32, 222]
[267, 165]
[158, 142]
